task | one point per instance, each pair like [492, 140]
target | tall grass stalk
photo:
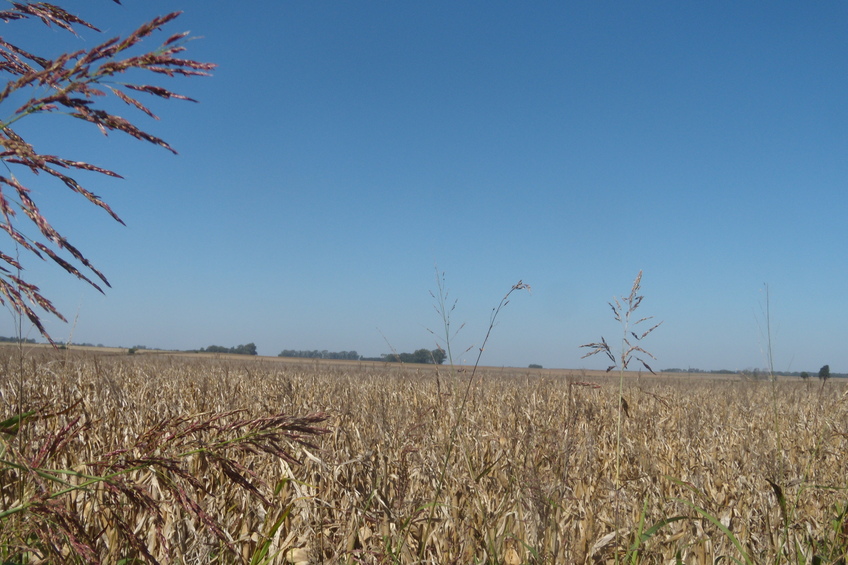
[624, 311]
[789, 546]
[778, 482]
[445, 312]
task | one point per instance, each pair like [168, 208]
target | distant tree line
[60, 344]
[323, 354]
[760, 373]
[693, 370]
[16, 340]
[824, 373]
[247, 349]
[424, 356]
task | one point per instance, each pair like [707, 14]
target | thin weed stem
[777, 482]
[445, 314]
[623, 312]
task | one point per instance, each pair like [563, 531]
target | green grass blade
[10, 426]
[717, 523]
[261, 555]
[642, 537]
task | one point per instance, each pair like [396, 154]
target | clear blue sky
[343, 149]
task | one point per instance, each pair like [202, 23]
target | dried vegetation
[187, 460]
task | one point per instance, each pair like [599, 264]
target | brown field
[142, 458]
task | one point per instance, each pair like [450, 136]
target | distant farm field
[201, 459]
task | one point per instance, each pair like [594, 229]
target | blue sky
[343, 150]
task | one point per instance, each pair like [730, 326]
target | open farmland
[179, 460]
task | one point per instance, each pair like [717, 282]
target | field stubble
[530, 480]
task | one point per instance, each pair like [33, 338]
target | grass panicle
[624, 312]
[72, 84]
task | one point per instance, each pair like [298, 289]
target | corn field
[177, 459]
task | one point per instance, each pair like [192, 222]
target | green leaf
[11, 425]
[717, 523]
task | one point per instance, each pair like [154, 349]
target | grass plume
[624, 312]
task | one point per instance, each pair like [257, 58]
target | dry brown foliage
[530, 479]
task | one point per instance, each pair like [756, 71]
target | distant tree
[824, 372]
[249, 349]
[805, 375]
[423, 356]
[16, 340]
[324, 354]
[439, 356]
[400, 358]
[534, 366]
